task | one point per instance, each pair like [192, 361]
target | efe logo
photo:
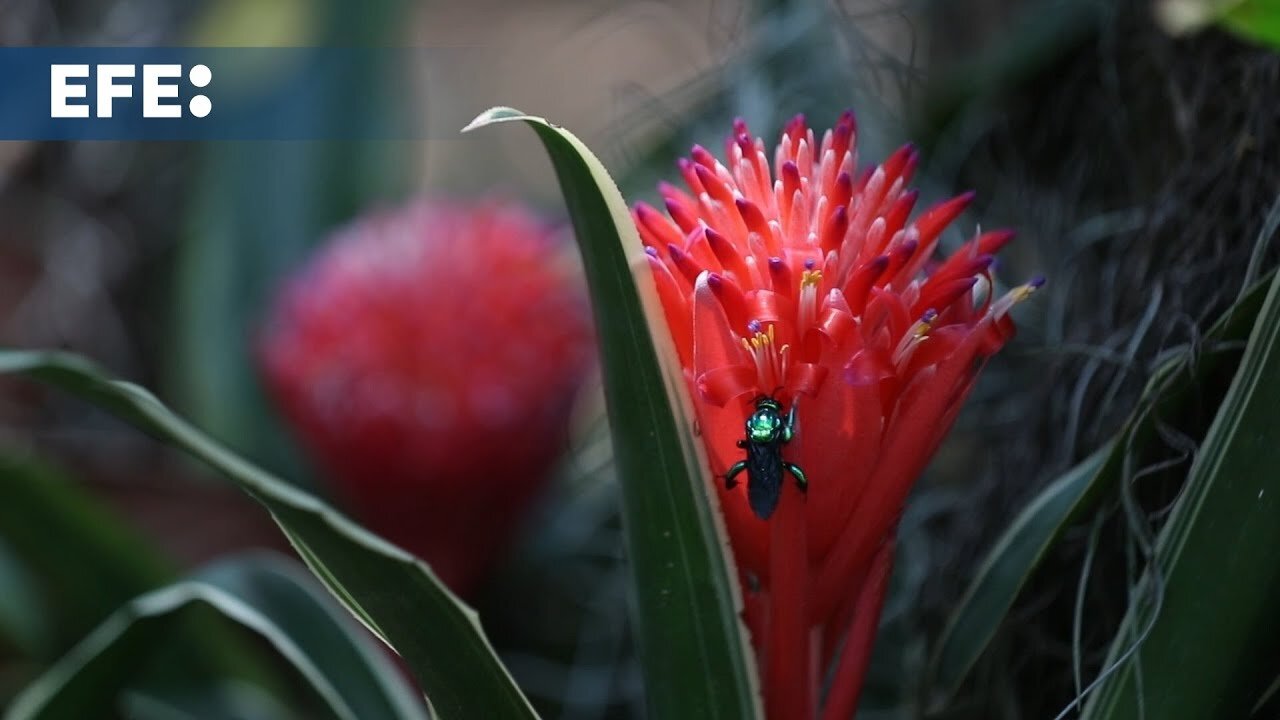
[159, 82]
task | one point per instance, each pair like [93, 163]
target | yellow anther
[924, 324]
[770, 360]
[1022, 292]
[1015, 296]
[761, 339]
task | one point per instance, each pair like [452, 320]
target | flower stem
[789, 683]
[855, 656]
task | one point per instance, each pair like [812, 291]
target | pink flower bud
[428, 358]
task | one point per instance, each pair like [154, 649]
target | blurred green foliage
[1199, 639]
[1071, 498]
[346, 673]
[1256, 20]
[86, 561]
[392, 593]
[69, 562]
[258, 208]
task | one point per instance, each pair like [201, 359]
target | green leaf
[1209, 644]
[361, 671]
[23, 623]
[1021, 548]
[1257, 20]
[1007, 568]
[691, 642]
[394, 594]
[87, 560]
[1266, 699]
[220, 700]
[260, 592]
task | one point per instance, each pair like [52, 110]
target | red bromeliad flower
[809, 283]
[428, 359]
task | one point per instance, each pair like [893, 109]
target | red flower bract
[428, 358]
[808, 282]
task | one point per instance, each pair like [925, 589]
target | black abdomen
[764, 478]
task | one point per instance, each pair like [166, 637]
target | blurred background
[1139, 169]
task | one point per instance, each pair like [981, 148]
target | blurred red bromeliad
[428, 358]
[815, 288]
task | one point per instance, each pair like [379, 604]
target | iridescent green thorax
[765, 424]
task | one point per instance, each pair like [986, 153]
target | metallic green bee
[767, 432]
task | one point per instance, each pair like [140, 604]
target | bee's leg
[730, 481]
[801, 481]
[789, 430]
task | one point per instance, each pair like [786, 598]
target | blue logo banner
[68, 93]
